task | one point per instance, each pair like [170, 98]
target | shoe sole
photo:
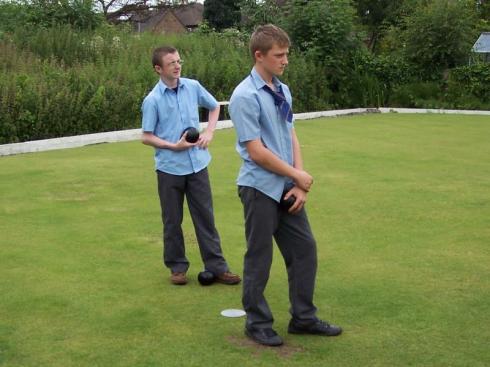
[247, 333]
[179, 282]
[301, 332]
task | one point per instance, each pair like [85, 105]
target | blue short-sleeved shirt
[166, 114]
[255, 116]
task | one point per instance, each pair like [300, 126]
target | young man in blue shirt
[271, 175]
[170, 108]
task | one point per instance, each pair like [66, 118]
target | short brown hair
[264, 38]
[160, 52]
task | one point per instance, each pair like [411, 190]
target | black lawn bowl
[205, 278]
[286, 204]
[192, 134]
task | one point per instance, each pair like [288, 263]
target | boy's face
[171, 67]
[274, 61]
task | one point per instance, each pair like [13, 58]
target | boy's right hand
[183, 144]
[303, 180]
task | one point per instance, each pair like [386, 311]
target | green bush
[417, 95]
[322, 28]
[439, 36]
[58, 81]
[468, 87]
[374, 77]
[79, 14]
[43, 99]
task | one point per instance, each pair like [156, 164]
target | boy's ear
[258, 55]
[158, 69]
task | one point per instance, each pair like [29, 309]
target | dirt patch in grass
[285, 351]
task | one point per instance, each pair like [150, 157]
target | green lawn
[400, 209]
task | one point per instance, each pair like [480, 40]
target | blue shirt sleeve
[205, 99]
[245, 114]
[149, 115]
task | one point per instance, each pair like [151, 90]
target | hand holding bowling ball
[192, 134]
[285, 204]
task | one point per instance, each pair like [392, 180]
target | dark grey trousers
[263, 222]
[197, 190]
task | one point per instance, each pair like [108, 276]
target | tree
[221, 14]
[256, 13]
[439, 35]
[80, 14]
[322, 28]
[484, 9]
[377, 15]
[116, 9]
[12, 15]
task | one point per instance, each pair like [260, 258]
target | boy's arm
[297, 157]
[206, 137]
[150, 119]
[151, 139]
[268, 160]
[296, 191]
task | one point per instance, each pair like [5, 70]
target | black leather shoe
[318, 328]
[264, 336]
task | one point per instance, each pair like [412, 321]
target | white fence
[135, 134]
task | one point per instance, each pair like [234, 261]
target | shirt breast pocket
[194, 117]
[167, 111]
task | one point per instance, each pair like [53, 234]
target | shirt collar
[260, 83]
[163, 87]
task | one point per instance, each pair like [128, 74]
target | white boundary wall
[135, 134]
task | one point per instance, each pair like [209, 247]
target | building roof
[149, 20]
[482, 44]
[190, 15]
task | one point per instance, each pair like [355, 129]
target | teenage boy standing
[170, 108]
[271, 175]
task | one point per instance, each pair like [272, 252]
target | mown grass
[400, 209]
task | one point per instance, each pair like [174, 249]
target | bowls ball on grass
[206, 277]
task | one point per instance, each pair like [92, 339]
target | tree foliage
[484, 9]
[222, 14]
[64, 70]
[322, 28]
[439, 35]
[378, 15]
[46, 13]
[256, 13]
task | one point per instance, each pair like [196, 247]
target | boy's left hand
[204, 139]
[300, 201]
